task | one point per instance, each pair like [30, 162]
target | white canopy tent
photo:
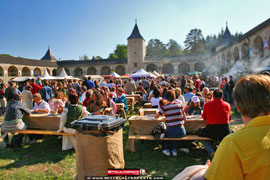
[114, 74]
[20, 79]
[141, 73]
[47, 76]
[63, 75]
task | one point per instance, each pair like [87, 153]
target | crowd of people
[175, 97]
[54, 96]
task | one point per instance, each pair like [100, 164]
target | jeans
[174, 132]
[208, 146]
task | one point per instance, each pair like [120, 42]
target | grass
[46, 160]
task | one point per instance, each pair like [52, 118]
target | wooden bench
[185, 138]
[43, 132]
[141, 138]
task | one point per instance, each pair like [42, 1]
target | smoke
[248, 66]
[241, 67]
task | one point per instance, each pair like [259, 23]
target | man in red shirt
[217, 115]
[35, 87]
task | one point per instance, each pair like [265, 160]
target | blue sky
[94, 27]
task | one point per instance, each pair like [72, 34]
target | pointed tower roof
[227, 37]
[135, 33]
[48, 55]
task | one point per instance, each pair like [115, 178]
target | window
[135, 64]
[135, 52]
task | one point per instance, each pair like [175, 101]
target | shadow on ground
[48, 150]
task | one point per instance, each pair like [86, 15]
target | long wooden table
[42, 121]
[143, 125]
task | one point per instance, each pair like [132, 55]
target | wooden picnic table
[147, 105]
[119, 106]
[42, 121]
[131, 102]
[136, 96]
[120, 109]
[143, 125]
[146, 111]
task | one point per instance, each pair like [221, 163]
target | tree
[211, 43]
[6, 55]
[120, 51]
[156, 48]
[96, 58]
[84, 57]
[194, 41]
[112, 56]
[173, 48]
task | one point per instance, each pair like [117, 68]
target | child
[194, 106]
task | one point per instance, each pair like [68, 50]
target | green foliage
[120, 51]
[84, 57]
[96, 58]
[174, 48]
[6, 55]
[195, 41]
[156, 48]
[211, 43]
[112, 56]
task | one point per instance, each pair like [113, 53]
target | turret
[136, 50]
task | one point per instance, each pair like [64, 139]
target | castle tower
[136, 50]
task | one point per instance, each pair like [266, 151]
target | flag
[265, 44]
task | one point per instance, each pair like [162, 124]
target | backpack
[159, 130]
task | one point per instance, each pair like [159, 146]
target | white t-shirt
[42, 105]
[83, 96]
[155, 101]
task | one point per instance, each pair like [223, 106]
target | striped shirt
[173, 114]
[16, 110]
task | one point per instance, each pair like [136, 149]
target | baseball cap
[195, 99]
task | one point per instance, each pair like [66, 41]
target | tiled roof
[91, 62]
[24, 61]
[227, 38]
[48, 56]
[135, 33]
[247, 34]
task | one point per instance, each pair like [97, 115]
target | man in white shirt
[41, 106]
[83, 90]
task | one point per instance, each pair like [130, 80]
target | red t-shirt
[198, 83]
[217, 112]
[35, 88]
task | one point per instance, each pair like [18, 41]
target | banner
[265, 44]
